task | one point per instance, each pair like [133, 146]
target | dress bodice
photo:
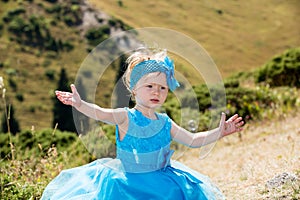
[146, 145]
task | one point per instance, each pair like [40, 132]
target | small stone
[281, 179]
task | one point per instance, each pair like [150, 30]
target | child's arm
[225, 128]
[113, 116]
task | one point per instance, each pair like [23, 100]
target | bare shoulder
[120, 115]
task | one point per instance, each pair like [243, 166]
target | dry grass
[238, 35]
[242, 168]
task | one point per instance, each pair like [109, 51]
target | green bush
[248, 103]
[282, 70]
[50, 74]
[13, 13]
[1, 28]
[96, 35]
[9, 123]
[51, 1]
[11, 71]
[56, 8]
[17, 25]
[34, 31]
[20, 97]
[13, 83]
[29, 143]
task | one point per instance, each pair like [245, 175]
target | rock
[281, 179]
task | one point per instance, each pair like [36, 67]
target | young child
[143, 168]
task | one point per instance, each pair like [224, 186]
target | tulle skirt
[105, 179]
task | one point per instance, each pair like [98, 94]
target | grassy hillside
[239, 35]
[27, 66]
[33, 40]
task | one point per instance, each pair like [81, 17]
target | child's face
[151, 90]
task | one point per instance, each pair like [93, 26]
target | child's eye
[163, 88]
[149, 86]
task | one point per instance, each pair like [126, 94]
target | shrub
[11, 71]
[8, 122]
[56, 8]
[282, 70]
[67, 46]
[34, 32]
[12, 13]
[97, 35]
[248, 103]
[20, 97]
[17, 25]
[47, 62]
[120, 3]
[50, 74]
[12, 83]
[1, 27]
[51, 1]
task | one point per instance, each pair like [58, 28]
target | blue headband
[150, 66]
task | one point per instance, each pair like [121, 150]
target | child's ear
[132, 96]
[133, 93]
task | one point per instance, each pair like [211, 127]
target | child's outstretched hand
[68, 98]
[232, 125]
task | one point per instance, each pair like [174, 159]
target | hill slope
[33, 40]
[239, 35]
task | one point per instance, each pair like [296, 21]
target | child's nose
[156, 90]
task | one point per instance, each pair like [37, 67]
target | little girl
[143, 168]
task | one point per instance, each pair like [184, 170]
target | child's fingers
[233, 118]
[73, 88]
[239, 124]
[239, 120]
[222, 121]
[62, 99]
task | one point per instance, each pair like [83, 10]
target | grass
[30, 75]
[238, 35]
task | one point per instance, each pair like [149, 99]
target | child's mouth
[154, 100]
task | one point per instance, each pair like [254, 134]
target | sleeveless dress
[143, 170]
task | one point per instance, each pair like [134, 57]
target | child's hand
[68, 98]
[232, 125]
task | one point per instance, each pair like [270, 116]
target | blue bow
[150, 66]
[171, 81]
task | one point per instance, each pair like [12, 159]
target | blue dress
[142, 170]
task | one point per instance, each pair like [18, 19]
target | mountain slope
[239, 35]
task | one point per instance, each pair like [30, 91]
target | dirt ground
[241, 166]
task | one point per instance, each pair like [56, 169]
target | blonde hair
[140, 55]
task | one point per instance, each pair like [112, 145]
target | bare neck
[147, 112]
